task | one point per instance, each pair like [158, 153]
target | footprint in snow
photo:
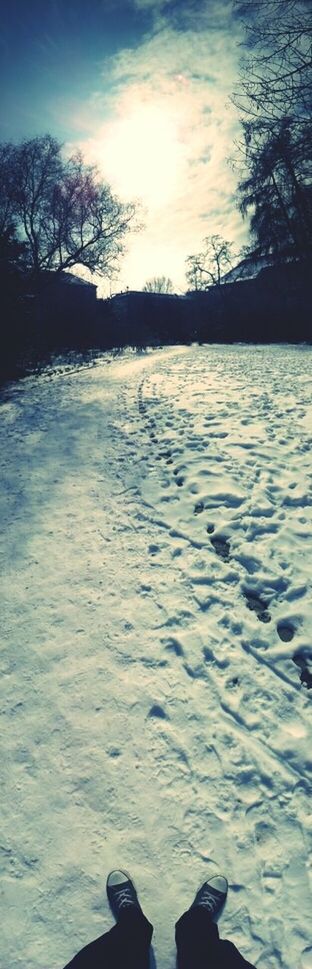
[158, 712]
[153, 549]
[199, 507]
[173, 646]
[285, 631]
[231, 684]
[221, 547]
[306, 958]
[257, 605]
[303, 659]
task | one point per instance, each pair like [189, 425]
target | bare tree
[7, 183]
[276, 69]
[62, 209]
[158, 284]
[277, 189]
[207, 267]
[274, 97]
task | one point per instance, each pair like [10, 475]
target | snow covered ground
[156, 648]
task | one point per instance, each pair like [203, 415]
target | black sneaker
[212, 895]
[121, 892]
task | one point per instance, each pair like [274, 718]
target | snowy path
[156, 581]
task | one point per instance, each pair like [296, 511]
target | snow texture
[156, 648]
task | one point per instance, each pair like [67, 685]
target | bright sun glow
[141, 155]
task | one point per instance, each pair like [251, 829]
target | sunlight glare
[142, 156]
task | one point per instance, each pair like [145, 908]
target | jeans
[127, 945]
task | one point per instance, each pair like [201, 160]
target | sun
[142, 155]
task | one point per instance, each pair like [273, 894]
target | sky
[143, 88]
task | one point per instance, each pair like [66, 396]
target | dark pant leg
[199, 945]
[125, 946]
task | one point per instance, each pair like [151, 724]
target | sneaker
[212, 895]
[121, 892]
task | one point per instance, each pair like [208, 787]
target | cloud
[167, 132]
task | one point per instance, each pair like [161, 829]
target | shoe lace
[208, 901]
[124, 897]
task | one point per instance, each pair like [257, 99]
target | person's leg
[200, 947]
[195, 937]
[125, 946]
[198, 943]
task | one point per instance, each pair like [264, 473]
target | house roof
[64, 278]
[75, 280]
[248, 268]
